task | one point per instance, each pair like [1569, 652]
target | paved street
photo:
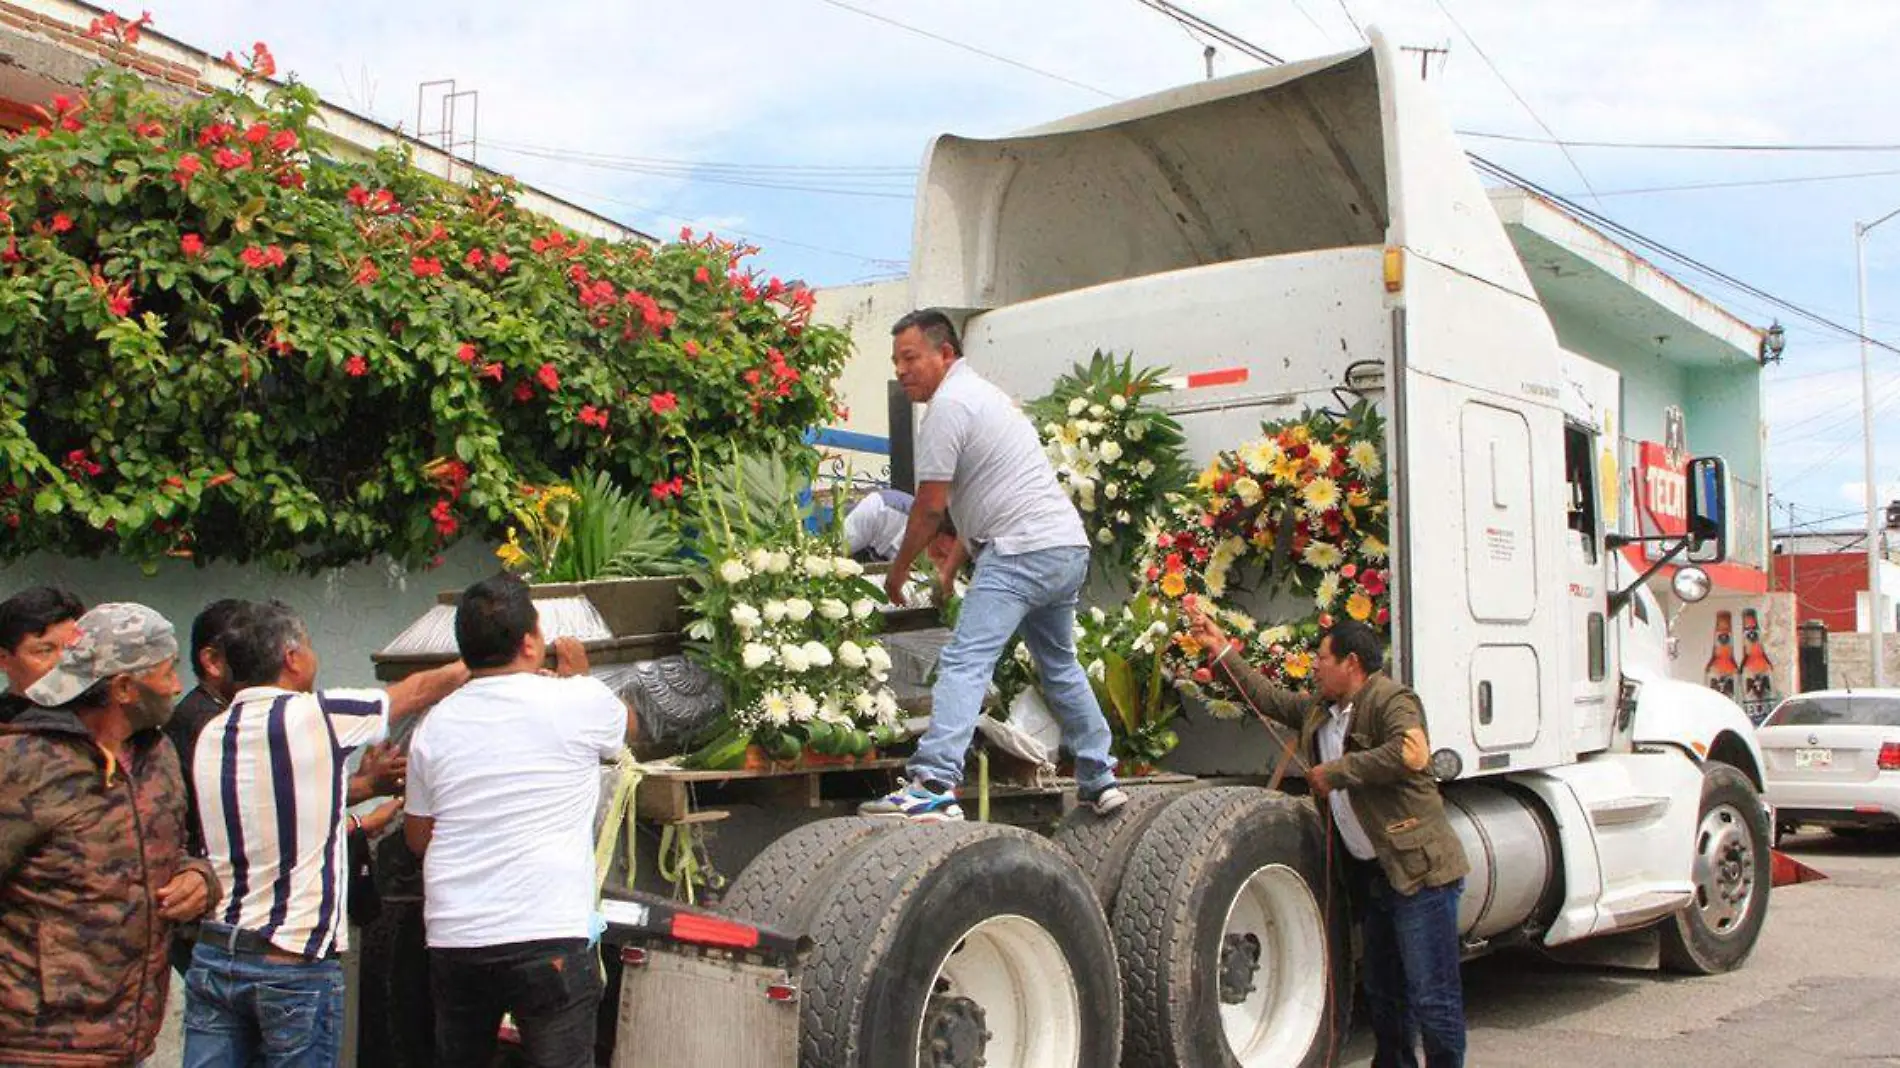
[1819, 990]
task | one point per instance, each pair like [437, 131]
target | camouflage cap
[114, 639]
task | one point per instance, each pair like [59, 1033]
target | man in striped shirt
[265, 985]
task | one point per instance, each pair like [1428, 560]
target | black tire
[1100, 845]
[891, 914]
[1171, 913]
[396, 1010]
[1731, 829]
[773, 890]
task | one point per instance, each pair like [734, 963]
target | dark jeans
[242, 1009]
[551, 988]
[1411, 969]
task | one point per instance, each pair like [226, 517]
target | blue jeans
[243, 1009]
[1035, 591]
[1411, 971]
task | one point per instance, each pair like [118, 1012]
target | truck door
[1592, 673]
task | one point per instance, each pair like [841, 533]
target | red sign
[1662, 483]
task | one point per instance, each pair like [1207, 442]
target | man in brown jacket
[93, 870]
[1362, 738]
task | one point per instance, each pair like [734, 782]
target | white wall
[351, 612]
[1889, 599]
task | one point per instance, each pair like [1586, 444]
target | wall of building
[1824, 585]
[1848, 664]
[351, 612]
[1695, 632]
[865, 311]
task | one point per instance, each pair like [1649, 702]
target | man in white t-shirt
[980, 462]
[504, 779]
[874, 527]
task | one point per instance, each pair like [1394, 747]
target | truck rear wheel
[954, 946]
[774, 889]
[1100, 845]
[1234, 951]
[1732, 874]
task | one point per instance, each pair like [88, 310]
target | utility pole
[1425, 54]
[1876, 615]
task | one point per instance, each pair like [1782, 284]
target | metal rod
[1875, 611]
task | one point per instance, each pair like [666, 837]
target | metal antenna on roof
[449, 106]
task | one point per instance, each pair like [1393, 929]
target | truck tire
[1732, 874]
[1234, 951]
[773, 889]
[1100, 845]
[955, 945]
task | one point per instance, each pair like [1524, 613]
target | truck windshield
[1846, 711]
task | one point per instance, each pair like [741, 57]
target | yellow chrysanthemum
[1299, 665]
[1285, 470]
[1247, 490]
[1173, 584]
[1364, 457]
[1320, 495]
[1372, 548]
[1259, 455]
[1207, 477]
[1321, 457]
[1359, 607]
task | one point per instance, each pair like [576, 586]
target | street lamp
[1876, 617]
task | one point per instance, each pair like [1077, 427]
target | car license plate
[1814, 758]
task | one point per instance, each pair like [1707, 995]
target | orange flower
[1359, 607]
[1173, 584]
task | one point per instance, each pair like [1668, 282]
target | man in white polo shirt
[979, 458]
[504, 779]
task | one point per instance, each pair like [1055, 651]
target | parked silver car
[1834, 759]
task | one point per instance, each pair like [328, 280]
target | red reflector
[1225, 377]
[781, 992]
[1890, 757]
[1868, 810]
[633, 957]
[707, 931]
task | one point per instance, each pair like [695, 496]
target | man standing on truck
[979, 459]
[1362, 739]
[504, 778]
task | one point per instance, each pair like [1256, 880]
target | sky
[799, 124]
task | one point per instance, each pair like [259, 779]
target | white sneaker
[1107, 802]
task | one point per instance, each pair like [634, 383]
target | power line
[1356, 28]
[823, 169]
[1231, 40]
[1743, 183]
[1308, 16]
[687, 173]
[972, 49]
[1519, 97]
[1680, 146]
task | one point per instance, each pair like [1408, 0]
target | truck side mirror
[1708, 510]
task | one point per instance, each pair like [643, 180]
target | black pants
[551, 988]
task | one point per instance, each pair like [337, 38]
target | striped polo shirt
[270, 776]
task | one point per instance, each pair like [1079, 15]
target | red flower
[773, 287]
[291, 179]
[752, 377]
[474, 260]
[1203, 675]
[686, 233]
[594, 417]
[670, 487]
[259, 257]
[356, 367]
[1349, 571]
[466, 353]
[119, 300]
[1153, 573]
[524, 392]
[366, 273]
[148, 128]
[258, 133]
[12, 252]
[229, 160]
[284, 141]
[692, 349]
[1373, 582]
[79, 465]
[661, 403]
[425, 266]
[1385, 616]
[1325, 621]
[62, 222]
[187, 169]
[263, 64]
[702, 276]
[490, 371]
[357, 196]
[499, 261]
[550, 378]
[444, 515]
[191, 245]
[215, 134]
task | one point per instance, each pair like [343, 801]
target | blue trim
[233, 822]
[848, 439]
[283, 780]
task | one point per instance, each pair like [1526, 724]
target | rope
[982, 786]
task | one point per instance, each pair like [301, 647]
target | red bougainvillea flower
[148, 128]
[229, 160]
[702, 275]
[284, 141]
[258, 133]
[291, 179]
[466, 353]
[426, 266]
[443, 513]
[686, 233]
[661, 403]
[592, 416]
[258, 257]
[490, 371]
[187, 169]
[692, 349]
[366, 273]
[1385, 616]
[549, 378]
[62, 222]
[499, 261]
[119, 300]
[11, 254]
[80, 465]
[357, 196]
[524, 392]
[356, 367]
[474, 260]
[668, 488]
[215, 134]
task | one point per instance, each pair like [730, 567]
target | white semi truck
[1318, 224]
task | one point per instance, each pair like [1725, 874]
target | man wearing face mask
[93, 868]
[36, 625]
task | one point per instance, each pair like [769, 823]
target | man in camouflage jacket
[93, 869]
